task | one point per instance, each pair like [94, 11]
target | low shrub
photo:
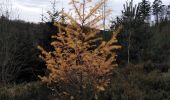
[25, 91]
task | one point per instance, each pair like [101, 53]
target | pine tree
[77, 63]
[144, 9]
[134, 36]
[163, 13]
[157, 9]
[131, 17]
[168, 12]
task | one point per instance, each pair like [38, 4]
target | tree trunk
[129, 45]
[157, 19]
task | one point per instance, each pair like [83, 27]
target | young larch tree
[77, 63]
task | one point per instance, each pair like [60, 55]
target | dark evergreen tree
[164, 14]
[144, 9]
[168, 12]
[157, 5]
[135, 35]
[131, 18]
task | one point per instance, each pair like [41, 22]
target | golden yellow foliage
[76, 58]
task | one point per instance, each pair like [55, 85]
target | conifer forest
[86, 52]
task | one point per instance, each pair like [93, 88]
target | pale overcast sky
[31, 10]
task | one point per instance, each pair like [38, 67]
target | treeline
[142, 39]
[19, 56]
[18, 50]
